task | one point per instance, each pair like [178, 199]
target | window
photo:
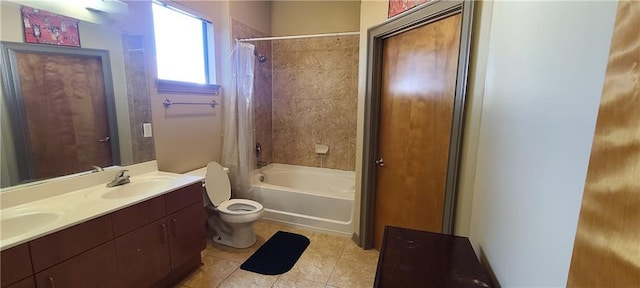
[184, 51]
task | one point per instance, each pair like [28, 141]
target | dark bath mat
[277, 255]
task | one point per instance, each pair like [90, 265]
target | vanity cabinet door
[25, 283]
[143, 255]
[96, 268]
[187, 234]
[15, 264]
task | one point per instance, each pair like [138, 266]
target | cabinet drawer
[137, 215]
[15, 264]
[57, 247]
[184, 197]
[96, 268]
[25, 283]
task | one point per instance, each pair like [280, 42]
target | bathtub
[316, 198]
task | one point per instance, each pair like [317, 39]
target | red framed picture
[398, 6]
[44, 27]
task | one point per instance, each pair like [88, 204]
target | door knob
[380, 162]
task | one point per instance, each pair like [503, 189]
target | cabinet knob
[138, 250]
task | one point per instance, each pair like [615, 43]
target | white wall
[473, 114]
[314, 17]
[256, 14]
[545, 71]
[372, 13]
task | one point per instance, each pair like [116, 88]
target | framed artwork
[398, 6]
[44, 27]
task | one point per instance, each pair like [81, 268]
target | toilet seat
[240, 207]
[220, 193]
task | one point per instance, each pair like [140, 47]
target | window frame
[174, 86]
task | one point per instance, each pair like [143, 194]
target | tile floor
[329, 261]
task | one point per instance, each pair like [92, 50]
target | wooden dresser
[412, 258]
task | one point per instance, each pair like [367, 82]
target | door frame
[13, 97]
[376, 35]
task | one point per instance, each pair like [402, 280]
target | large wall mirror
[65, 110]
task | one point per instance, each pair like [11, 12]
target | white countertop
[25, 218]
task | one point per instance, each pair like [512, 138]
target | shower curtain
[238, 142]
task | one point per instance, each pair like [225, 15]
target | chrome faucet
[261, 164]
[120, 179]
[96, 169]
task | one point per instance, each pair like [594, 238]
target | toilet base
[241, 236]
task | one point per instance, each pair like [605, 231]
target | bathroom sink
[17, 224]
[137, 186]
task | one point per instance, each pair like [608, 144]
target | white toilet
[232, 219]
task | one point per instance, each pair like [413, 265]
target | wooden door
[605, 251]
[419, 69]
[65, 107]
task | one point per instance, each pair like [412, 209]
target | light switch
[146, 130]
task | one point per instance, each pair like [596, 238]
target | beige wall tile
[314, 92]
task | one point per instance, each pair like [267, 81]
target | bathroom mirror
[96, 96]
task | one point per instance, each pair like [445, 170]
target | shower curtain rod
[300, 36]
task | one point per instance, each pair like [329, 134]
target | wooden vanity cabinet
[15, 265]
[160, 253]
[155, 243]
[97, 268]
[130, 218]
[62, 245]
[143, 255]
[24, 283]
[187, 236]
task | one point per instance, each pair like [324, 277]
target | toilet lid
[217, 184]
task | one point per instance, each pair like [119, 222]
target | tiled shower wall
[315, 101]
[261, 87]
[138, 97]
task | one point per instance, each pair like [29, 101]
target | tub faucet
[258, 150]
[261, 164]
[120, 179]
[96, 169]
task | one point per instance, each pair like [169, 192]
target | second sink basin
[137, 186]
[14, 225]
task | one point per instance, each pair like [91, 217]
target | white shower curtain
[238, 142]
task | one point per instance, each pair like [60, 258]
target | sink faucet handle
[121, 173]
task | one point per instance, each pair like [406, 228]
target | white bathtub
[316, 198]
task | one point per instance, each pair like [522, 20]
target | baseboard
[356, 239]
